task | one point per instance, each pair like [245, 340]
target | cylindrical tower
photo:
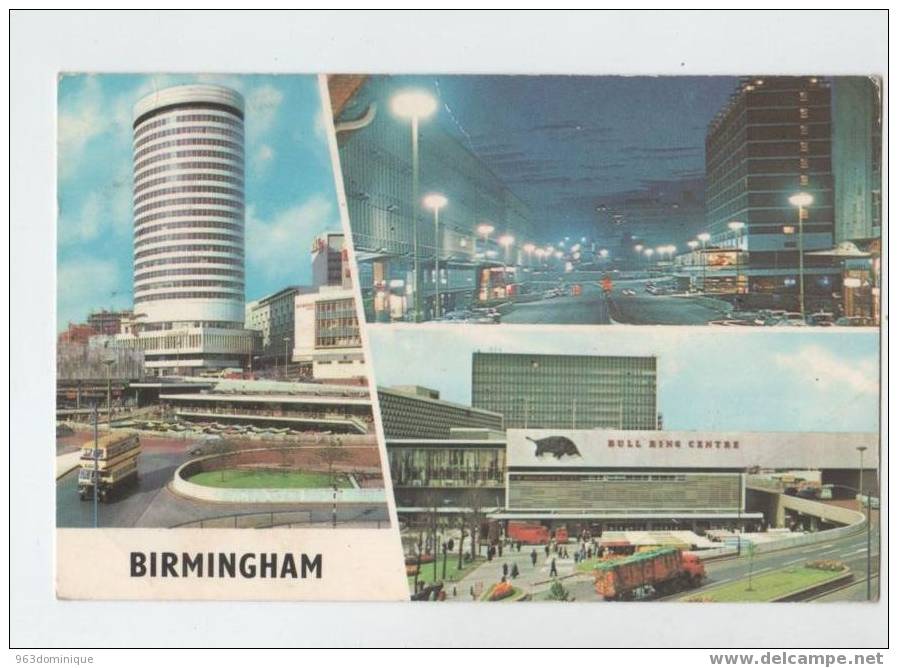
[189, 208]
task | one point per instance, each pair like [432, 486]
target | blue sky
[707, 378]
[290, 195]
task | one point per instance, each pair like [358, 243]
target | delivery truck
[647, 574]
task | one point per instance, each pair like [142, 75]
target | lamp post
[860, 490]
[703, 238]
[286, 355]
[506, 240]
[529, 248]
[108, 362]
[436, 201]
[736, 227]
[96, 454]
[414, 105]
[802, 201]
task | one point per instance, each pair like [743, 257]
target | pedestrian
[547, 550]
[504, 570]
[553, 569]
[514, 570]
[533, 557]
[576, 558]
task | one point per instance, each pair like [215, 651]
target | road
[590, 308]
[152, 504]
[536, 579]
[593, 307]
[644, 308]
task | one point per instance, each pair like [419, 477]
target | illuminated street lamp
[529, 248]
[736, 227]
[802, 200]
[506, 240]
[414, 105]
[638, 248]
[485, 230]
[704, 237]
[649, 252]
[603, 252]
[436, 201]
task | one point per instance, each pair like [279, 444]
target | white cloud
[78, 124]
[105, 211]
[278, 246]
[262, 106]
[814, 367]
[85, 284]
[262, 157]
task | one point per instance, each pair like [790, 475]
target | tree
[557, 592]
[332, 454]
[473, 501]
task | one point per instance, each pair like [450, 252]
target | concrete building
[330, 261]
[411, 411]
[376, 157]
[288, 406]
[612, 479]
[566, 391]
[857, 174]
[326, 334]
[772, 141]
[188, 153]
[273, 317]
[441, 453]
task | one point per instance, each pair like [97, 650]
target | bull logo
[555, 445]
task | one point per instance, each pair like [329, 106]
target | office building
[411, 411]
[189, 230]
[330, 261]
[326, 334]
[567, 391]
[772, 141]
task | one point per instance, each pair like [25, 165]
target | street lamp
[736, 227]
[704, 237]
[286, 357]
[505, 240]
[860, 489]
[529, 248]
[485, 230]
[802, 200]
[603, 253]
[414, 105]
[436, 201]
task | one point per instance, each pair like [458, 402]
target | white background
[647, 42]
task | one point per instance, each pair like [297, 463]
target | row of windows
[179, 174]
[221, 190]
[180, 167]
[143, 231]
[190, 271]
[234, 285]
[200, 213]
[211, 236]
[186, 118]
[166, 296]
[181, 201]
[188, 260]
[189, 129]
[198, 153]
[188, 248]
[197, 141]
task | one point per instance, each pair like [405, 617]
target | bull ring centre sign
[696, 444]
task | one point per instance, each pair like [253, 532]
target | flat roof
[623, 449]
[267, 398]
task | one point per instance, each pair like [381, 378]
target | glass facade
[567, 391]
[377, 172]
[461, 465]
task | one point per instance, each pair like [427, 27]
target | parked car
[791, 320]
[821, 319]
[855, 321]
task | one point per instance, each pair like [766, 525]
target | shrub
[826, 565]
[557, 592]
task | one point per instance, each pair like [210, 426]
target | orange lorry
[528, 533]
[660, 572]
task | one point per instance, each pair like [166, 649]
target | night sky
[567, 144]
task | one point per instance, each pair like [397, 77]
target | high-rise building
[857, 158]
[330, 262]
[389, 229]
[566, 391]
[188, 153]
[772, 141]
